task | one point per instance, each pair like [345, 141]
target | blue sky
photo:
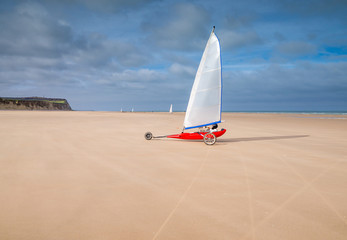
[108, 55]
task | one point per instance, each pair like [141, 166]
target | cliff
[34, 103]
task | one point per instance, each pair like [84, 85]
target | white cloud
[31, 9]
[280, 85]
[141, 75]
[37, 49]
[179, 69]
[181, 27]
[147, 52]
[232, 39]
[296, 49]
[113, 6]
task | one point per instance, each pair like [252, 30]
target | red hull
[196, 135]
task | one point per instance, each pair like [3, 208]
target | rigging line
[206, 89]
[207, 69]
[183, 195]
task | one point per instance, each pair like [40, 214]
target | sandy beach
[92, 175]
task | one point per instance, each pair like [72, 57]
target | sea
[296, 112]
[304, 114]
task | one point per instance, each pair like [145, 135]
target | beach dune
[92, 175]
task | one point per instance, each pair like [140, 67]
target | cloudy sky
[277, 55]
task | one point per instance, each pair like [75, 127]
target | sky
[107, 55]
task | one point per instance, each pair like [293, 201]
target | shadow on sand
[260, 138]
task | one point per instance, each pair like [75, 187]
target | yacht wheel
[148, 135]
[209, 139]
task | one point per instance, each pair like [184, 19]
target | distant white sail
[204, 106]
[170, 108]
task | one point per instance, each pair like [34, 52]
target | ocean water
[295, 112]
[339, 115]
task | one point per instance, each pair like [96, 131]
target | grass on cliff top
[60, 101]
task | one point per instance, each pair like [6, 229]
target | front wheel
[148, 135]
[209, 139]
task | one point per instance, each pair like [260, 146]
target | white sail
[170, 108]
[204, 106]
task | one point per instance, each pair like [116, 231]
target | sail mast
[204, 106]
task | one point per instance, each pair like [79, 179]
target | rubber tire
[210, 139]
[148, 135]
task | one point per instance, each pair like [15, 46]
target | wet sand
[92, 175]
